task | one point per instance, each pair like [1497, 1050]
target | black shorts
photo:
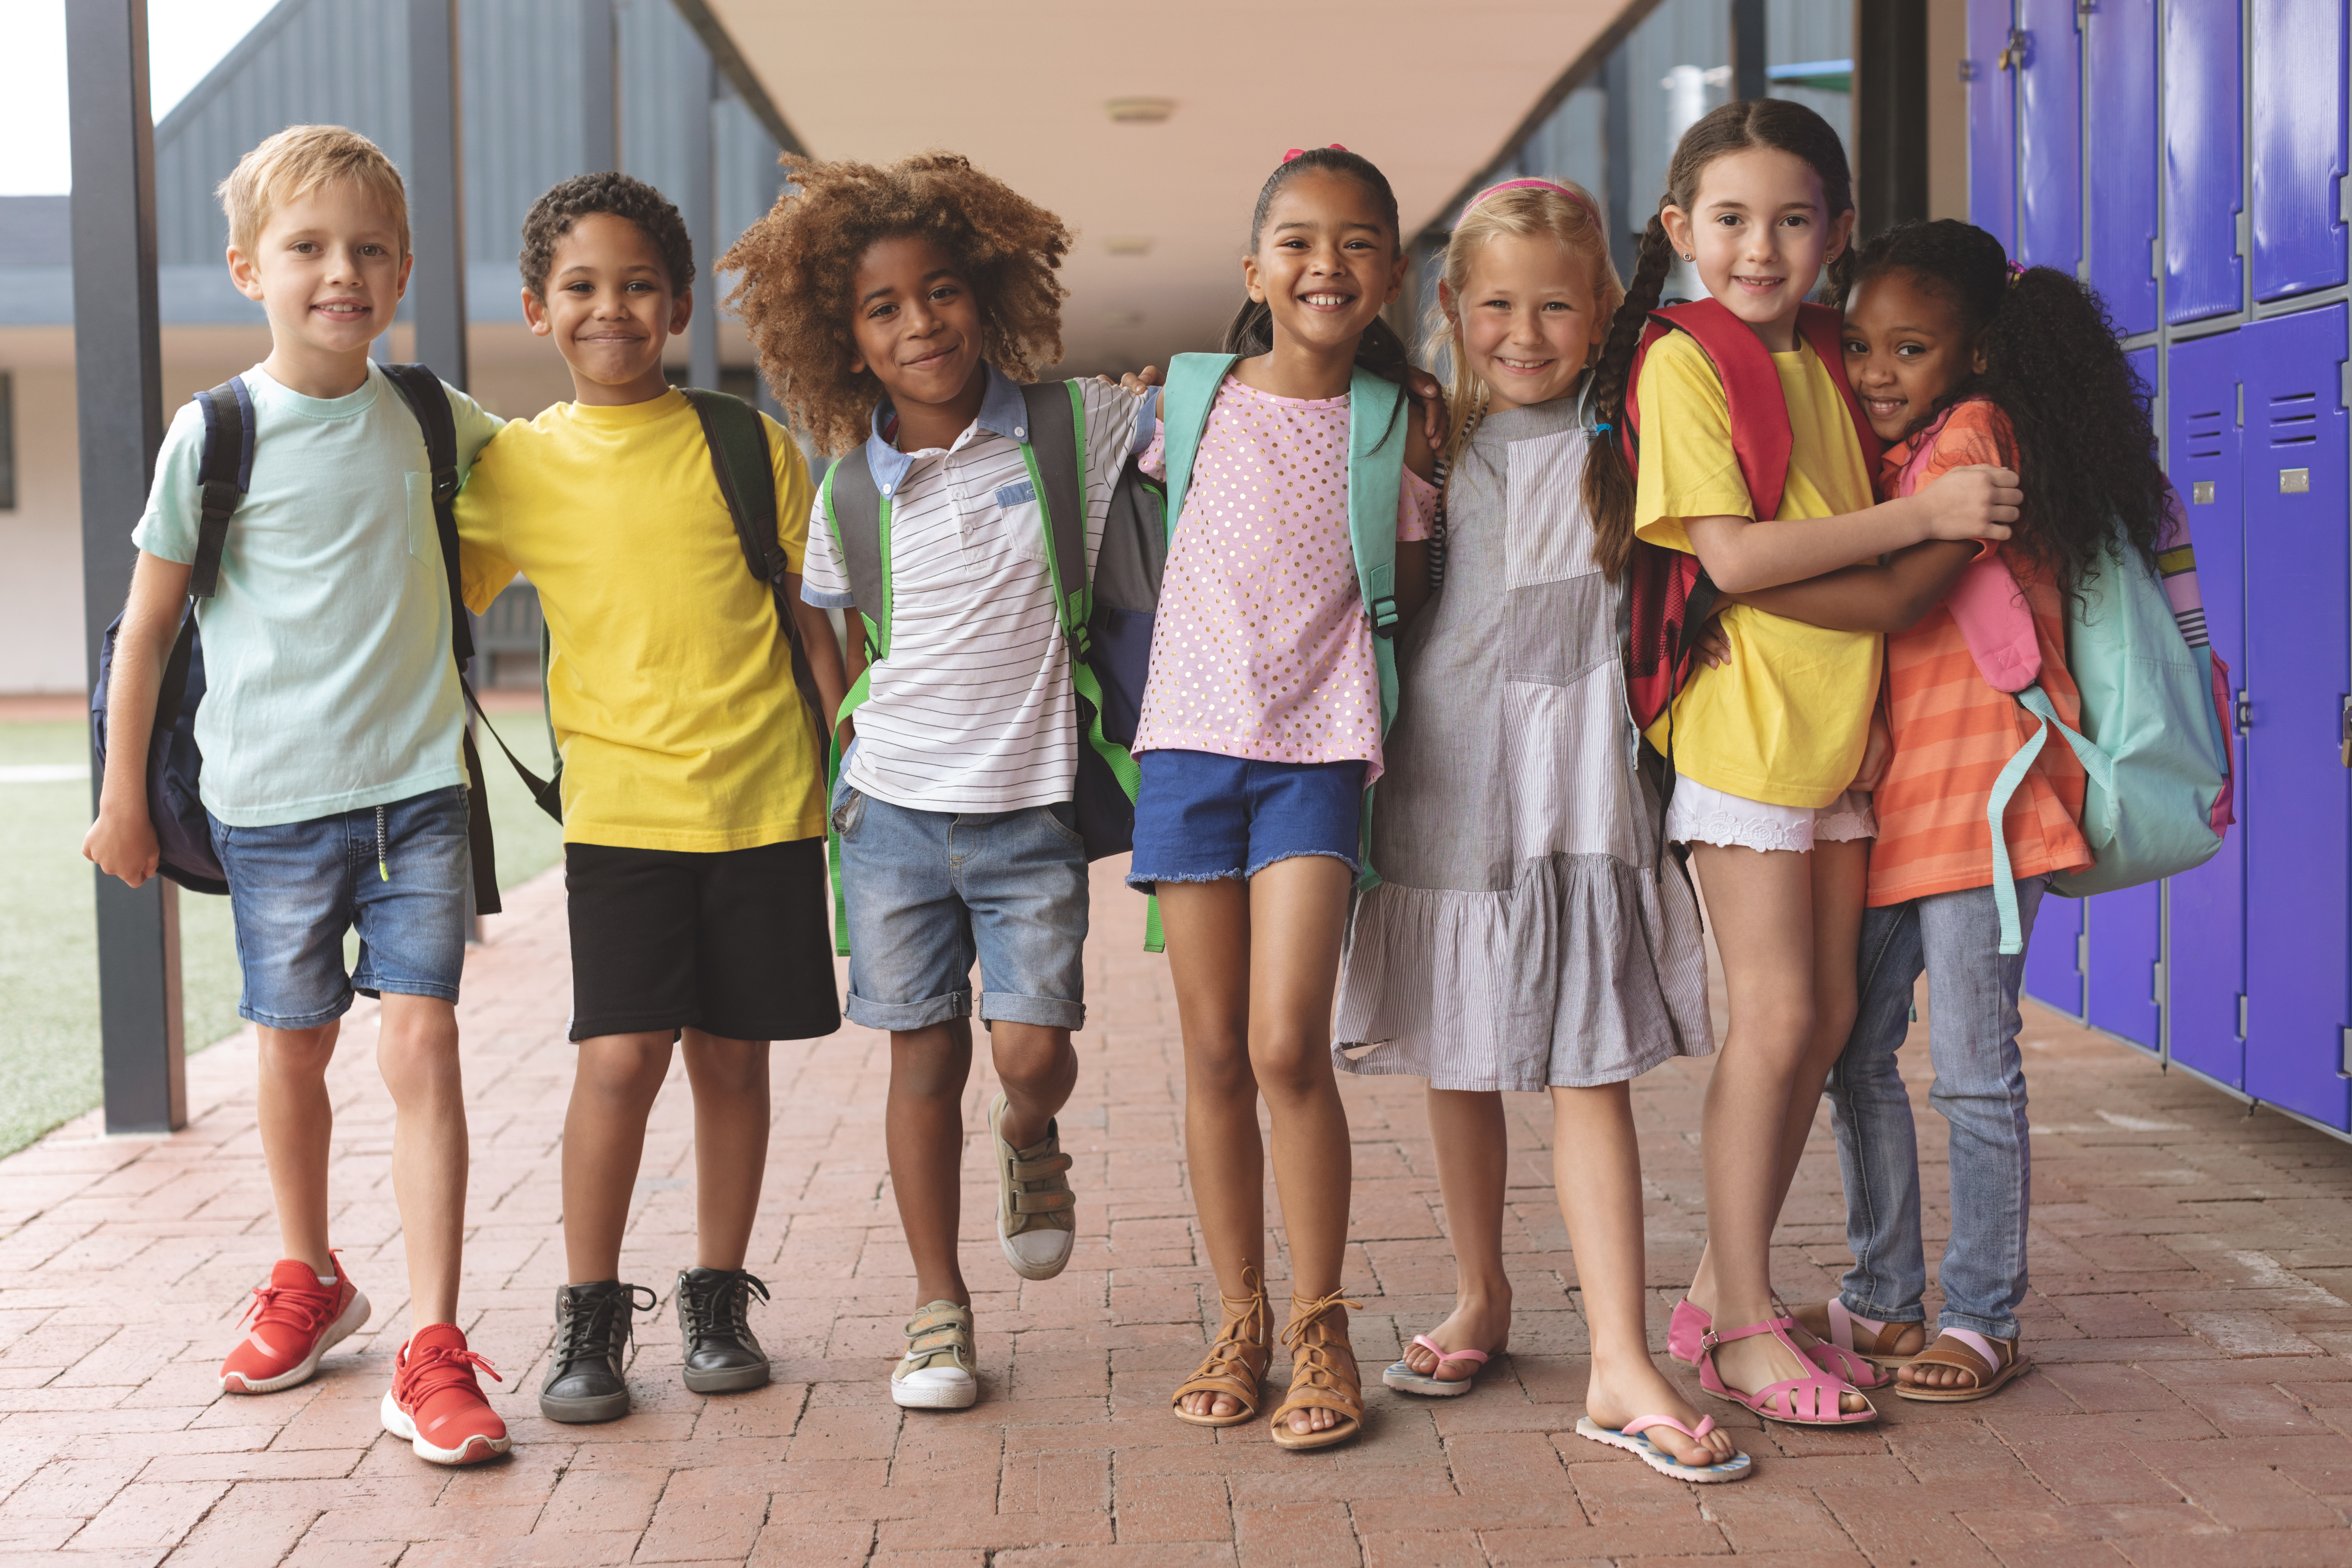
[736, 943]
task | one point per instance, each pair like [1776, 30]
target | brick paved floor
[2191, 1266]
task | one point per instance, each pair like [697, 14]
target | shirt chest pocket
[1017, 517]
[424, 532]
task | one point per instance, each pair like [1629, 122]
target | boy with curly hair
[693, 807]
[897, 313]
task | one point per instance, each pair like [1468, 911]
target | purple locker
[2054, 958]
[2296, 126]
[2048, 135]
[2208, 924]
[1992, 120]
[2119, 47]
[2203, 179]
[2298, 680]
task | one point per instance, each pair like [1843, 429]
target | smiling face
[1325, 262]
[1758, 232]
[328, 269]
[916, 323]
[1525, 317]
[1906, 346]
[610, 308]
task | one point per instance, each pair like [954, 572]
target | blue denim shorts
[1201, 816]
[928, 892]
[397, 873]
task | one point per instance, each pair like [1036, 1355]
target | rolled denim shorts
[1201, 816]
[930, 892]
[397, 873]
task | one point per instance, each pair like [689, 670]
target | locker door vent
[2294, 419]
[2204, 433]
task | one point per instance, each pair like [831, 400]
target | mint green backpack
[1377, 429]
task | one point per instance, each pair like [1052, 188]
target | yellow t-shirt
[671, 683]
[1787, 719]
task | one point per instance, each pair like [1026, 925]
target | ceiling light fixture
[1140, 111]
[1128, 245]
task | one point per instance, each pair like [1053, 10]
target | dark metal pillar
[119, 399]
[436, 210]
[600, 98]
[1747, 49]
[1890, 114]
[698, 100]
[1625, 221]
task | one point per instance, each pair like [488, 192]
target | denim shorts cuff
[1144, 884]
[1346, 860]
[298, 1021]
[380, 987]
[1916, 1312]
[1984, 1326]
[1045, 1012]
[904, 1015]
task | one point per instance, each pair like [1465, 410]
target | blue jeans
[398, 873]
[1980, 1090]
[928, 892]
[1203, 817]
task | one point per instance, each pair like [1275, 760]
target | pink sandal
[1801, 1401]
[1629, 1437]
[1690, 1324]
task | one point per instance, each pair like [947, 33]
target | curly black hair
[2086, 450]
[584, 195]
[1251, 333]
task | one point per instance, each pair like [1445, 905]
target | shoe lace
[1309, 1342]
[304, 1311]
[1244, 1330]
[589, 1334]
[722, 1306]
[437, 1368]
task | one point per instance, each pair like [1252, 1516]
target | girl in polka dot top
[1259, 734]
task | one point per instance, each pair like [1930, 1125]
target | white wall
[40, 541]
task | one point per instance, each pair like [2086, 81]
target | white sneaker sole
[473, 1451]
[934, 1396]
[355, 1317]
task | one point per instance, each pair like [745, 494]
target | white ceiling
[1429, 92]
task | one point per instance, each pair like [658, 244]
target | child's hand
[1429, 393]
[1875, 754]
[1974, 502]
[122, 843]
[1136, 380]
[1711, 646]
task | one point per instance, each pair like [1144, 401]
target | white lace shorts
[1698, 815]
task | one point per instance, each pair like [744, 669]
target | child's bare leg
[613, 1092]
[731, 1143]
[924, 1130]
[297, 1121]
[1298, 912]
[1465, 1128]
[1596, 1162]
[1762, 905]
[1038, 1067]
[1208, 929]
[1841, 878]
[416, 1051]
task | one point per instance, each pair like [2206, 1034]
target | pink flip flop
[1799, 1401]
[1404, 1379]
[1630, 1439]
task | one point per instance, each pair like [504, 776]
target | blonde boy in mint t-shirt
[330, 730]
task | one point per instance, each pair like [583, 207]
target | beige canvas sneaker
[938, 1372]
[1036, 1222]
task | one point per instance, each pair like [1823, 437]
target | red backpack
[1672, 595]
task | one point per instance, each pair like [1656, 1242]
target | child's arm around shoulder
[796, 503]
[484, 499]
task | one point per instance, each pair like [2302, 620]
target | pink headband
[1579, 197]
[1295, 152]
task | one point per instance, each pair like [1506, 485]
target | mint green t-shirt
[329, 685]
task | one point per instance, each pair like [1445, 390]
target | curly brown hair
[796, 266]
[584, 195]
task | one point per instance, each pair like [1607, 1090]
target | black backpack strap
[739, 458]
[224, 473]
[425, 397]
[1058, 445]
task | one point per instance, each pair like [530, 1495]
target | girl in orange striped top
[1960, 358]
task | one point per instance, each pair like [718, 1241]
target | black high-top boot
[722, 1356]
[592, 1343]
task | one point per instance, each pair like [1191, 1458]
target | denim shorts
[398, 873]
[1201, 816]
[928, 892]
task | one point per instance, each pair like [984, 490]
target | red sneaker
[295, 1320]
[436, 1404]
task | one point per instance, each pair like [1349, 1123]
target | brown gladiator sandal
[1236, 1363]
[1323, 1374]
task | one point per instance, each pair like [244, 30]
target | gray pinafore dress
[1525, 933]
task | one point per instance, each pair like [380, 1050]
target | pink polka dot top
[1262, 647]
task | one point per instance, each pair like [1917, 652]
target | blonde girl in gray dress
[1527, 935]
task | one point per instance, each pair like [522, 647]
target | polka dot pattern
[1262, 647]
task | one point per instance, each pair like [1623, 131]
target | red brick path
[2191, 1267]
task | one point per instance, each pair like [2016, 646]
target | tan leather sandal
[1323, 1374]
[1236, 1365]
[1991, 1363]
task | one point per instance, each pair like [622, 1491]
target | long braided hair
[1777, 123]
[1380, 349]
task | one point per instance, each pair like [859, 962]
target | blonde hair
[294, 163]
[1569, 218]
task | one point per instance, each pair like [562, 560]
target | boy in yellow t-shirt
[693, 800]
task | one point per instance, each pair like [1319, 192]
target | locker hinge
[2083, 270]
[2245, 232]
[2155, 983]
[2242, 404]
[2348, 732]
[2343, 1053]
[2344, 392]
[1967, 71]
[2083, 953]
[2343, 199]
[2155, 258]
[2241, 1015]
[2242, 711]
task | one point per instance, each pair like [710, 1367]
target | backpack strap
[1055, 453]
[224, 472]
[1761, 438]
[1184, 405]
[859, 515]
[1823, 327]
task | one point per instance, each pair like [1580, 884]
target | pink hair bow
[1579, 197]
[1296, 151]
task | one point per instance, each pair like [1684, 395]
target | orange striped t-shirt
[1953, 732]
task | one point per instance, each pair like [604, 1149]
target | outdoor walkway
[2193, 1264]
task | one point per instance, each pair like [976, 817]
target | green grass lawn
[49, 945]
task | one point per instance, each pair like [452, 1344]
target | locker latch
[2242, 711]
[2241, 1015]
[2016, 53]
